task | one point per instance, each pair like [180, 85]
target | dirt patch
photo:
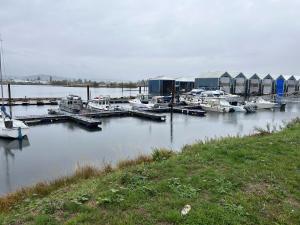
[258, 188]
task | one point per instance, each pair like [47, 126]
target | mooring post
[140, 89]
[9, 94]
[173, 95]
[88, 92]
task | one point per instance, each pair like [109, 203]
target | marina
[84, 130]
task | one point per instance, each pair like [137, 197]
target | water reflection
[56, 149]
[8, 147]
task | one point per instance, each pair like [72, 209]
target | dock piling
[9, 94]
[88, 92]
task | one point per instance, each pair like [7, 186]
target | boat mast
[1, 79]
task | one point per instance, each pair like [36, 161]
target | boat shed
[226, 82]
[184, 84]
[240, 84]
[253, 85]
[160, 86]
[267, 85]
[298, 83]
[280, 85]
[208, 81]
[291, 84]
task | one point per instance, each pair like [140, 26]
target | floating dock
[51, 101]
[87, 119]
[188, 110]
[44, 119]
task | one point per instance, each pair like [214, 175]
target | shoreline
[166, 162]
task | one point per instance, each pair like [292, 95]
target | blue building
[280, 86]
[161, 86]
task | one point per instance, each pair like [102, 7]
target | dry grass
[44, 188]
[81, 172]
[132, 162]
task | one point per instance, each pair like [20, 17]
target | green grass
[249, 180]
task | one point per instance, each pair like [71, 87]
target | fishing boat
[100, 103]
[10, 128]
[72, 104]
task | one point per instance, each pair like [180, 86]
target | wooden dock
[51, 101]
[148, 115]
[86, 119]
[31, 101]
[188, 110]
[46, 119]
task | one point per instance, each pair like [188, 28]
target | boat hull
[13, 133]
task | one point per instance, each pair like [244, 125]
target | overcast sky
[136, 39]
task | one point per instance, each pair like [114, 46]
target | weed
[183, 190]
[111, 197]
[161, 154]
[51, 206]
[81, 199]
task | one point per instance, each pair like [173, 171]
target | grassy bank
[250, 180]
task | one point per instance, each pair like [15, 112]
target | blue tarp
[279, 89]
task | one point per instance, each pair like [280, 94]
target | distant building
[226, 82]
[253, 84]
[267, 85]
[280, 85]
[209, 81]
[184, 84]
[240, 84]
[298, 83]
[160, 86]
[291, 84]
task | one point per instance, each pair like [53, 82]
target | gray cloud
[135, 39]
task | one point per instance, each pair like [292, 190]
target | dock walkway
[87, 119]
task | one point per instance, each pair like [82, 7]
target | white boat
[100, 103]
[236, 108]
[217, 105]
[143, 102]
[138, 104]
[10, 128]
[260, 103]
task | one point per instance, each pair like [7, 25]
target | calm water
[55, 150]
[20, 91]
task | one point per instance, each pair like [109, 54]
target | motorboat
[219, 95]
[261, 103]
[216, 105]
[100, 103]
[10, 128]
[138, 104]
[142, 102]
[71, 104]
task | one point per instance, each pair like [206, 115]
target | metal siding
[291, 86]
[240, 85]
[225, 84]
[253, 86]
[210, 83]
[267, 86]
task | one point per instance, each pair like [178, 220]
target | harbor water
[54, 150]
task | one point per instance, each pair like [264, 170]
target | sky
[139, 39]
